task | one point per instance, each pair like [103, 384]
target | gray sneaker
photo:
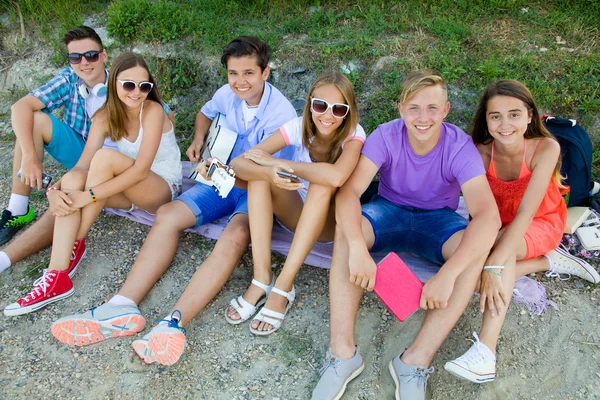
[411, 381]
[336, 373]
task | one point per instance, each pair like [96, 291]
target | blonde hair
[419, 80]
[309, 130]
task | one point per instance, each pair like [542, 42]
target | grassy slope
[552, 46]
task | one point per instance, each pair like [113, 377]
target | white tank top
[167, 162]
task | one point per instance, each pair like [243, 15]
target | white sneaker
[562, 262]
[475, 365]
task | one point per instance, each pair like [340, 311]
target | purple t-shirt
[431, 181]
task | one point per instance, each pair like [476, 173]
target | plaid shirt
[63, 91]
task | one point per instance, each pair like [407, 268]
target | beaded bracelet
[49, 189]
[92, 194]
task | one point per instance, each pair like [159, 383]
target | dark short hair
[247, 46]
[80, 33]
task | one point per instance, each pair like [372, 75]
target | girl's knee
[103, 157]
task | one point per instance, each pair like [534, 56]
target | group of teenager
[117, 141]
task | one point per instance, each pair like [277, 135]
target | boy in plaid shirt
[80, 91]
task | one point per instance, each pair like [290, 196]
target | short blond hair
[419, 80]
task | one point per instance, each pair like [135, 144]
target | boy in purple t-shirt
[423, 163]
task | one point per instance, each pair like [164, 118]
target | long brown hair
[115, 109]
[348, 125]
[535, 129]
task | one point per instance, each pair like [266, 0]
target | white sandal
[245, 309]
[271, 317]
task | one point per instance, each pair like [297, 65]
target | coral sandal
[273, 317]
[245, 309]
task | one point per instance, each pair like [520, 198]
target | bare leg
[318, 213]
[344, 297]
[212, 274]
[105, 165]
[263, 198]
[34, 239]
[491, 325]
[439, 322]
[42, 134]
[158, 249]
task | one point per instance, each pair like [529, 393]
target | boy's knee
[42, 126]
[237, 233]
[176, 214]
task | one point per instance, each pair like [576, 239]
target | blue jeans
[208, 206]
[411, 229]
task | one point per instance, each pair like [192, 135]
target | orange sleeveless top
[508, 195]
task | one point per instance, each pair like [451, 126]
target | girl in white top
[328, 141]
[146, 171]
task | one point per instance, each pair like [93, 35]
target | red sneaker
[51, 287]
[77, 255]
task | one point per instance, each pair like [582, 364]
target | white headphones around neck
[99, 90]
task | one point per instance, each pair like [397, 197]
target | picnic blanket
[527, 291]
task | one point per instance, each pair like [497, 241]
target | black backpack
[576, 152]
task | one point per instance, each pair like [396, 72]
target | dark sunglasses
[91, 56]
[338, 110]
[129, 86]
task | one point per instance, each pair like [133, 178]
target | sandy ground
[553, 356]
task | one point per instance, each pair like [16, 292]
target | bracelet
[49, 189]
[493, 268]
[92, 194]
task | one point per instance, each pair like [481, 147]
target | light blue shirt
[274, 110]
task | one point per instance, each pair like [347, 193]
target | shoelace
[173, 322]
[40, 285]
[421, 374]
[552, 274]
[474, 353]
[73, 251]
[329, 361]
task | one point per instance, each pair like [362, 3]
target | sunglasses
[91, 56]
[129, 86]
[338, 110]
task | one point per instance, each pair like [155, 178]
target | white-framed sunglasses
[129, 86]
[320, 106]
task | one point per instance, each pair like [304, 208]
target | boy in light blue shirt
[254, 109]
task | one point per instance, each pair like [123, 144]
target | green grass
[472, 43]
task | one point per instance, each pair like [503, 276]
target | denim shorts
[66, 145]
[411, 229]
[208, 206]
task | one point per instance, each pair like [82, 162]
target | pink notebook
[398, 287]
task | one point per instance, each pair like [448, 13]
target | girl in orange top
[522, 160]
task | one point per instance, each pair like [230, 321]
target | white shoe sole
[350, 377]
[34, 307]
[72, 273]
[471, 376]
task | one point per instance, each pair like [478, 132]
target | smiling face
[423, 115]
[92, 73]
[134, 98]
[246, 79]
[507, 119]
[326, 123]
